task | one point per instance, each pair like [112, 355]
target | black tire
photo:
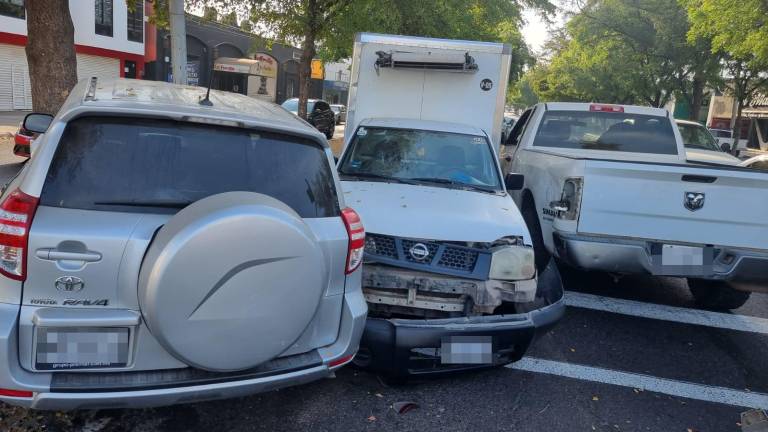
[329, 133]
[540, 252]
[718, 295]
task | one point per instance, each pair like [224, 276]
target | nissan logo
[69, 284]
[419, 251]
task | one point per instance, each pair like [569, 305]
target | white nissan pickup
[609, 188]
[448, 269]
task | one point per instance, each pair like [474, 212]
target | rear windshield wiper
[453, 183]
[146, 203]
[376, 177]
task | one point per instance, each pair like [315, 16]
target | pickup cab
[610, 188]
[448, 271]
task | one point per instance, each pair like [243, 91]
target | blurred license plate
[466, 350]
[62, 348]
[679, 260]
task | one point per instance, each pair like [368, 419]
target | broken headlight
[512, 263]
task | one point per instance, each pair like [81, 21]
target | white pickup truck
[610, 188]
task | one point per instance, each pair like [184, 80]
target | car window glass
[417, 154]
[606, 131]
[291, 104]
[697, 137]
[517, 129]
[109, 164]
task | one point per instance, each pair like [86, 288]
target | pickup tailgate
[647, 201]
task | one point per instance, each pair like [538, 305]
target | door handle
[49, 254]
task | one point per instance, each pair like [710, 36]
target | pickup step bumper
[410, 347]
[639, 256]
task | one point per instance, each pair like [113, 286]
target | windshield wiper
[147, 203]
[376, 177]
[454, 183]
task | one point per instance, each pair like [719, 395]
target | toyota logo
[419, 251]
[69, 284]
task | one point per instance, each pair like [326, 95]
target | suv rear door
[113, 182]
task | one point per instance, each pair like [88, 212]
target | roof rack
[90, 92]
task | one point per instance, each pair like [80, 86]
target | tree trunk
[307, 54]
[50, 53]
[697, 97]
[737, 126]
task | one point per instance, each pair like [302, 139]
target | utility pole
[178, 41]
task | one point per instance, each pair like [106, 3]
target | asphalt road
[630, 355]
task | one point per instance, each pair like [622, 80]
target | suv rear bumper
[72, 390]
[401, 347]
[635, 256]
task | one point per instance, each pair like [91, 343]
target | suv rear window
[158, 166]
[609, 131]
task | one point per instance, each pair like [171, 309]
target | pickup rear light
[356, 234]
[570, 200]
[606, 108]
[16, 213]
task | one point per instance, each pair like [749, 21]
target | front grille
[440, 257]
[458, 259]
[380, 245]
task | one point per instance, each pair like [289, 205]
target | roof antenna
[207, 100]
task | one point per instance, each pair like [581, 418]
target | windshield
[697, 137]
[443, 158]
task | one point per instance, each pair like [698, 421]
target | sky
[535, 30]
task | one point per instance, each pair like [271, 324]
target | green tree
[246, 26]
[629, 51]
[229, 19]
[738, 32]
[210, 14]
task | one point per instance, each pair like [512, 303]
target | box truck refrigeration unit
[417, 78]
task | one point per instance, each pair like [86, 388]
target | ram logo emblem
[694, 200]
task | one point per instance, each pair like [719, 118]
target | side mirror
[37, 122]
[514, 181]
[725, 147]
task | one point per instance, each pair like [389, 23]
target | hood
[711, 157]
[434, 213]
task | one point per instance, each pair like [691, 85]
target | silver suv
[156, 250]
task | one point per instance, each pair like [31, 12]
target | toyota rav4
[156, 250]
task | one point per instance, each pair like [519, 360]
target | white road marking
[670, 387]
[667, 313]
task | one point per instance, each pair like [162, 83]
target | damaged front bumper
[410, 347]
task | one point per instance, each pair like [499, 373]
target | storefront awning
[246, 66]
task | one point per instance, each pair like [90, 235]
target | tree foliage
[627, 51]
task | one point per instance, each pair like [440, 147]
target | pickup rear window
[609, 131]
[159, 166]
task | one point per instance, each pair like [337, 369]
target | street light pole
[178, 41]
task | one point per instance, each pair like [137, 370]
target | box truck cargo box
[408, 77]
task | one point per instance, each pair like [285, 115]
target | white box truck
[449, 272]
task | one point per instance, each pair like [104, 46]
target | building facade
[210, 43]
[109, 42]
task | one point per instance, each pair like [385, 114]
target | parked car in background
[701, 146]
[449, 273]
[341, 113]
[757, 162]
[722, 136]
[609, 188]
[319, 114]
[105, 301]
[508, 124]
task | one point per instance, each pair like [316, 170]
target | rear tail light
[606, 108]
[356, 234]
[570, 200]
[16, 393]
[16, 213]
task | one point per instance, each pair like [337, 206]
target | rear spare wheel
[231, 281]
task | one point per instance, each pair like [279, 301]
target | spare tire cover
[231, 281]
